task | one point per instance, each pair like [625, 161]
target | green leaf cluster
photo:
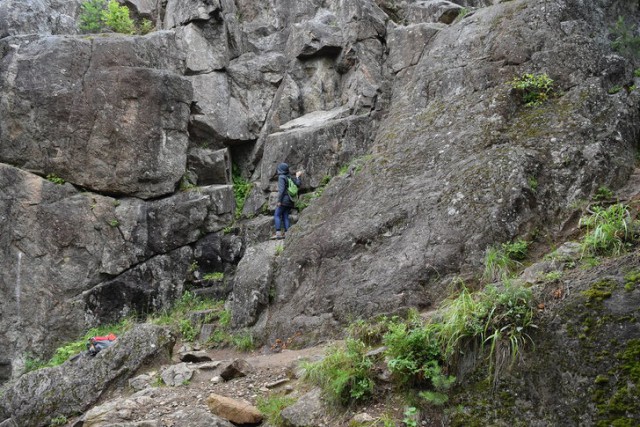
[502, 261]
[98, 15]
[610, 231]
[534, 88]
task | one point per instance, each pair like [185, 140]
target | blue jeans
[281, 217]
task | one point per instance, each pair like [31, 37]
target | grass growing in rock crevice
[419, 355]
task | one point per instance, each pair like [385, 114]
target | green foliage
[186, 184]
[552, 276]
[614, 89]
[603, 193]
[279, 249]
[625, 41]
[114, 222]
[498, 319]
[178, 316]
[146, 26]
[501, 262]
[533, 184]
[243, 341]
[344, 375]
[64, 352]
[55, 179]
[91, 15]
[410, 417]
[58, 421]
[241, 190]
[213, 276]
[636, 72]
[535, 88]
[609, 231]
[272, 406]
[117, 18]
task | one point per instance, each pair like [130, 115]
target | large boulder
[39, 396]
[38, 17]
[94, 113]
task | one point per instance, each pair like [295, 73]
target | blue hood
[283, 169]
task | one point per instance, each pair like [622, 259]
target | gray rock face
[38, 17]
[251, 285]
[85, 103]
[72, 387]
[450, 169]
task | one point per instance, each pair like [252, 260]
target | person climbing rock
[285, 202]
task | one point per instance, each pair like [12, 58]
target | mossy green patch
[618, 399]
[599, 291]
[631, 280]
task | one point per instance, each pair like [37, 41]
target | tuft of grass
[243, 341]
[345, 375]
[502, 261]
[610, 231]
[603, 193]
[271, 406]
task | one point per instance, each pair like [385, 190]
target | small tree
[117, 18]
[91, 15]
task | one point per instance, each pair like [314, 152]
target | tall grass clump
[345, 375]
[610, 231]
[272, 406]
[502, 261]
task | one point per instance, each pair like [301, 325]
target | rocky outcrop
[452, 165]
[42, 395]
[405, 107]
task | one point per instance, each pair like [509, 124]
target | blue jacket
[283, 174]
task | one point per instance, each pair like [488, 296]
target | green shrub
[534, 88]
[610, 231]
[117, 18]
[603, 193]
[146, 26]
[241, 190]
[58, 421]
[91, 15]
[344, 375]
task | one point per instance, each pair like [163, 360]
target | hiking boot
[277, 236]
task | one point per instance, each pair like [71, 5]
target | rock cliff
[116, 153]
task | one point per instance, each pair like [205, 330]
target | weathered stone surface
[406, 44]
[319, 147]
[176, 375]
[38, 17]
[317, 37]
[306, 412]
[235, 369]
[37, 397]
[206, 47]
[236, 411]
[181, 12]
[122, 413]
[53, 96]
[150, 286]
[251, 284]
[210, 166]
[433, 11]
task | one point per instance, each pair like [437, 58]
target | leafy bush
[610, 231]
[98, 15]
[55, 179]
[91, 15]
[241, 189]
[117, 18]
[535, 88]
